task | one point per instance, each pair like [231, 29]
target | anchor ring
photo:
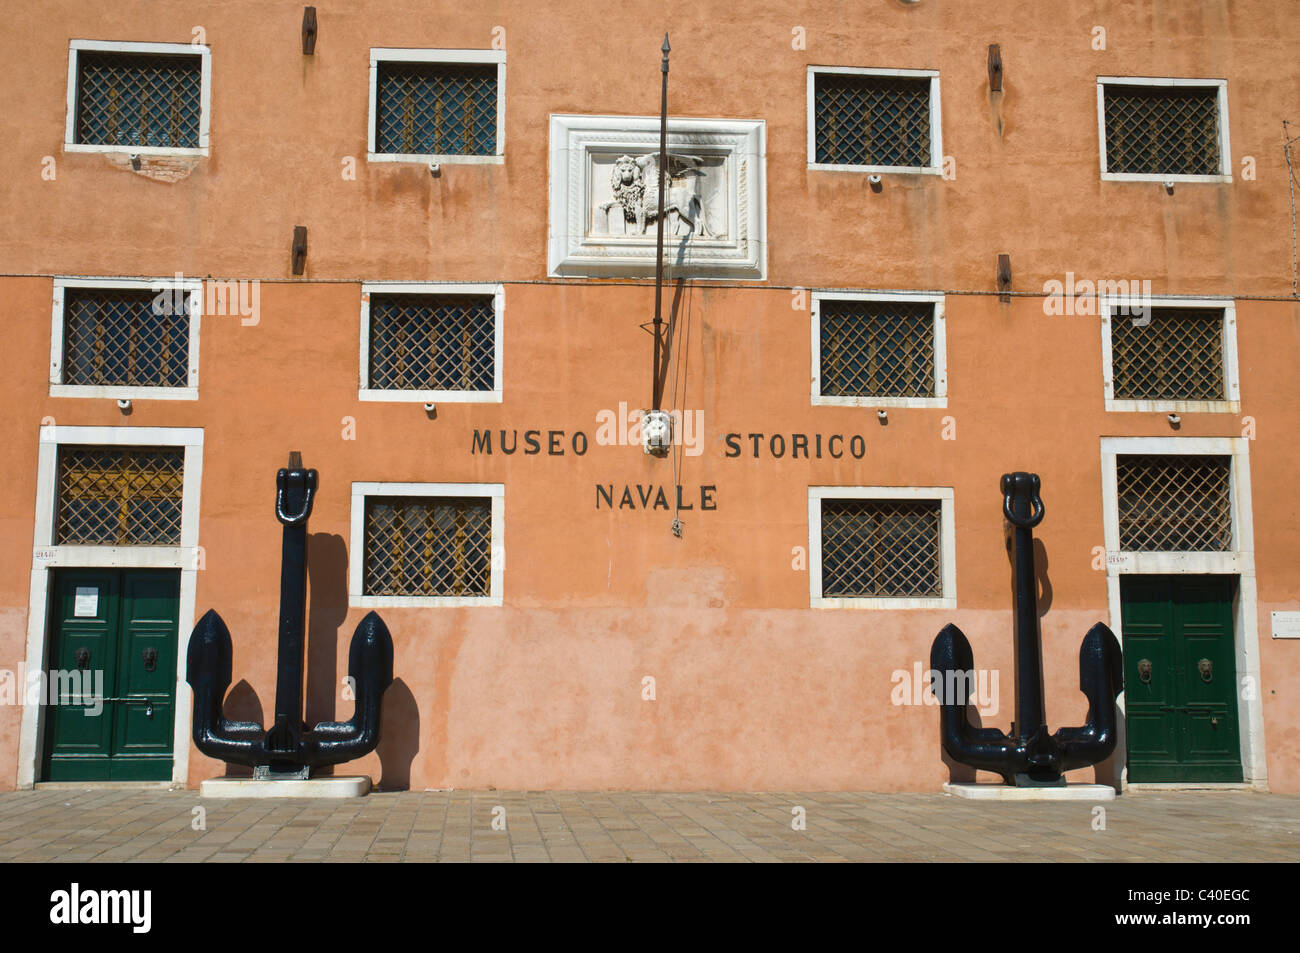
[1022, 485]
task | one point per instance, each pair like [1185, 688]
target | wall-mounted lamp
[435, 170]
[875, 182]
[299, 249]
[656, 433]
[882, 416]
[1004, 278]
[1175, 420]
[135, 161]
[1169, 186]
[308, 31]
[431, 409]
[995, 68]
[124, 405]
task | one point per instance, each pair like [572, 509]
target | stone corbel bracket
[581, 242]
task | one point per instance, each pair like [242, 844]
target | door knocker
[83, 659]
[1206, 668]
[150, 656]
[1144, 671]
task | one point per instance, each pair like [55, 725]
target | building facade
[911, 246]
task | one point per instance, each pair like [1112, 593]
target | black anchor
[289, 747]
[1029, 757]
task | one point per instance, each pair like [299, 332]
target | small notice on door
[86, 603]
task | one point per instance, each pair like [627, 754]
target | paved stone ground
[136, 825]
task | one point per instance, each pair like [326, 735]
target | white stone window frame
[204, 52]
[1239, 562]
[496, 492]
[940, 398]
[48, 556]
[947, 546]
[936, 120]
[494, 396]
[1231, 378]
[192, 287]
[472, 57]
[1225, 144]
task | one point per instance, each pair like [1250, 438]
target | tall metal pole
[661, 172]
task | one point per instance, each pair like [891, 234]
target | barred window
[126, 336]
[120, 496]
[425, 108]
[881, 548]
[1174, 503]
[428, 546]
[877, 348]
[862, 119]
[139, 99]
[1162, 130]
[1177, 355]
[432, 342]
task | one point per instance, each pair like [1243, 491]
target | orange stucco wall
[754, 689]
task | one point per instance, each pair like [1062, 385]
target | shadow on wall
[959, 773]
[399, 737]
[242, 704]
[327, 607]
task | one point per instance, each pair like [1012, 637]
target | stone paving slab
[101, 825]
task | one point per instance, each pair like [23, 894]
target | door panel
[1204, 606]
[78, 739]
[1182, 722]
[128, 625]
[142, 742]
[1148, 693]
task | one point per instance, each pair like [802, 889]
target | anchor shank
[1030, 714]
[295, 488]
[293, 598]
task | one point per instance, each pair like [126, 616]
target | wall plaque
[604, 197]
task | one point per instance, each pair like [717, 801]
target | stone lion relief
[690, 186]
[606, 184]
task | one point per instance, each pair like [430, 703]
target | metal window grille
[881, 548]
[1174, 503]
[1161, 130]
[437, 109]
[428, 546]
[872, 120]
[120, 496]
[132, 99]
[114, 336]
[877, 348]
[432, 342]
[1178, 355]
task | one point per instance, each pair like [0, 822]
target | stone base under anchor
[1005, 792]
[336, 787]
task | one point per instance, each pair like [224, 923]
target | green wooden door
[112, 679]
[1180, 678]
